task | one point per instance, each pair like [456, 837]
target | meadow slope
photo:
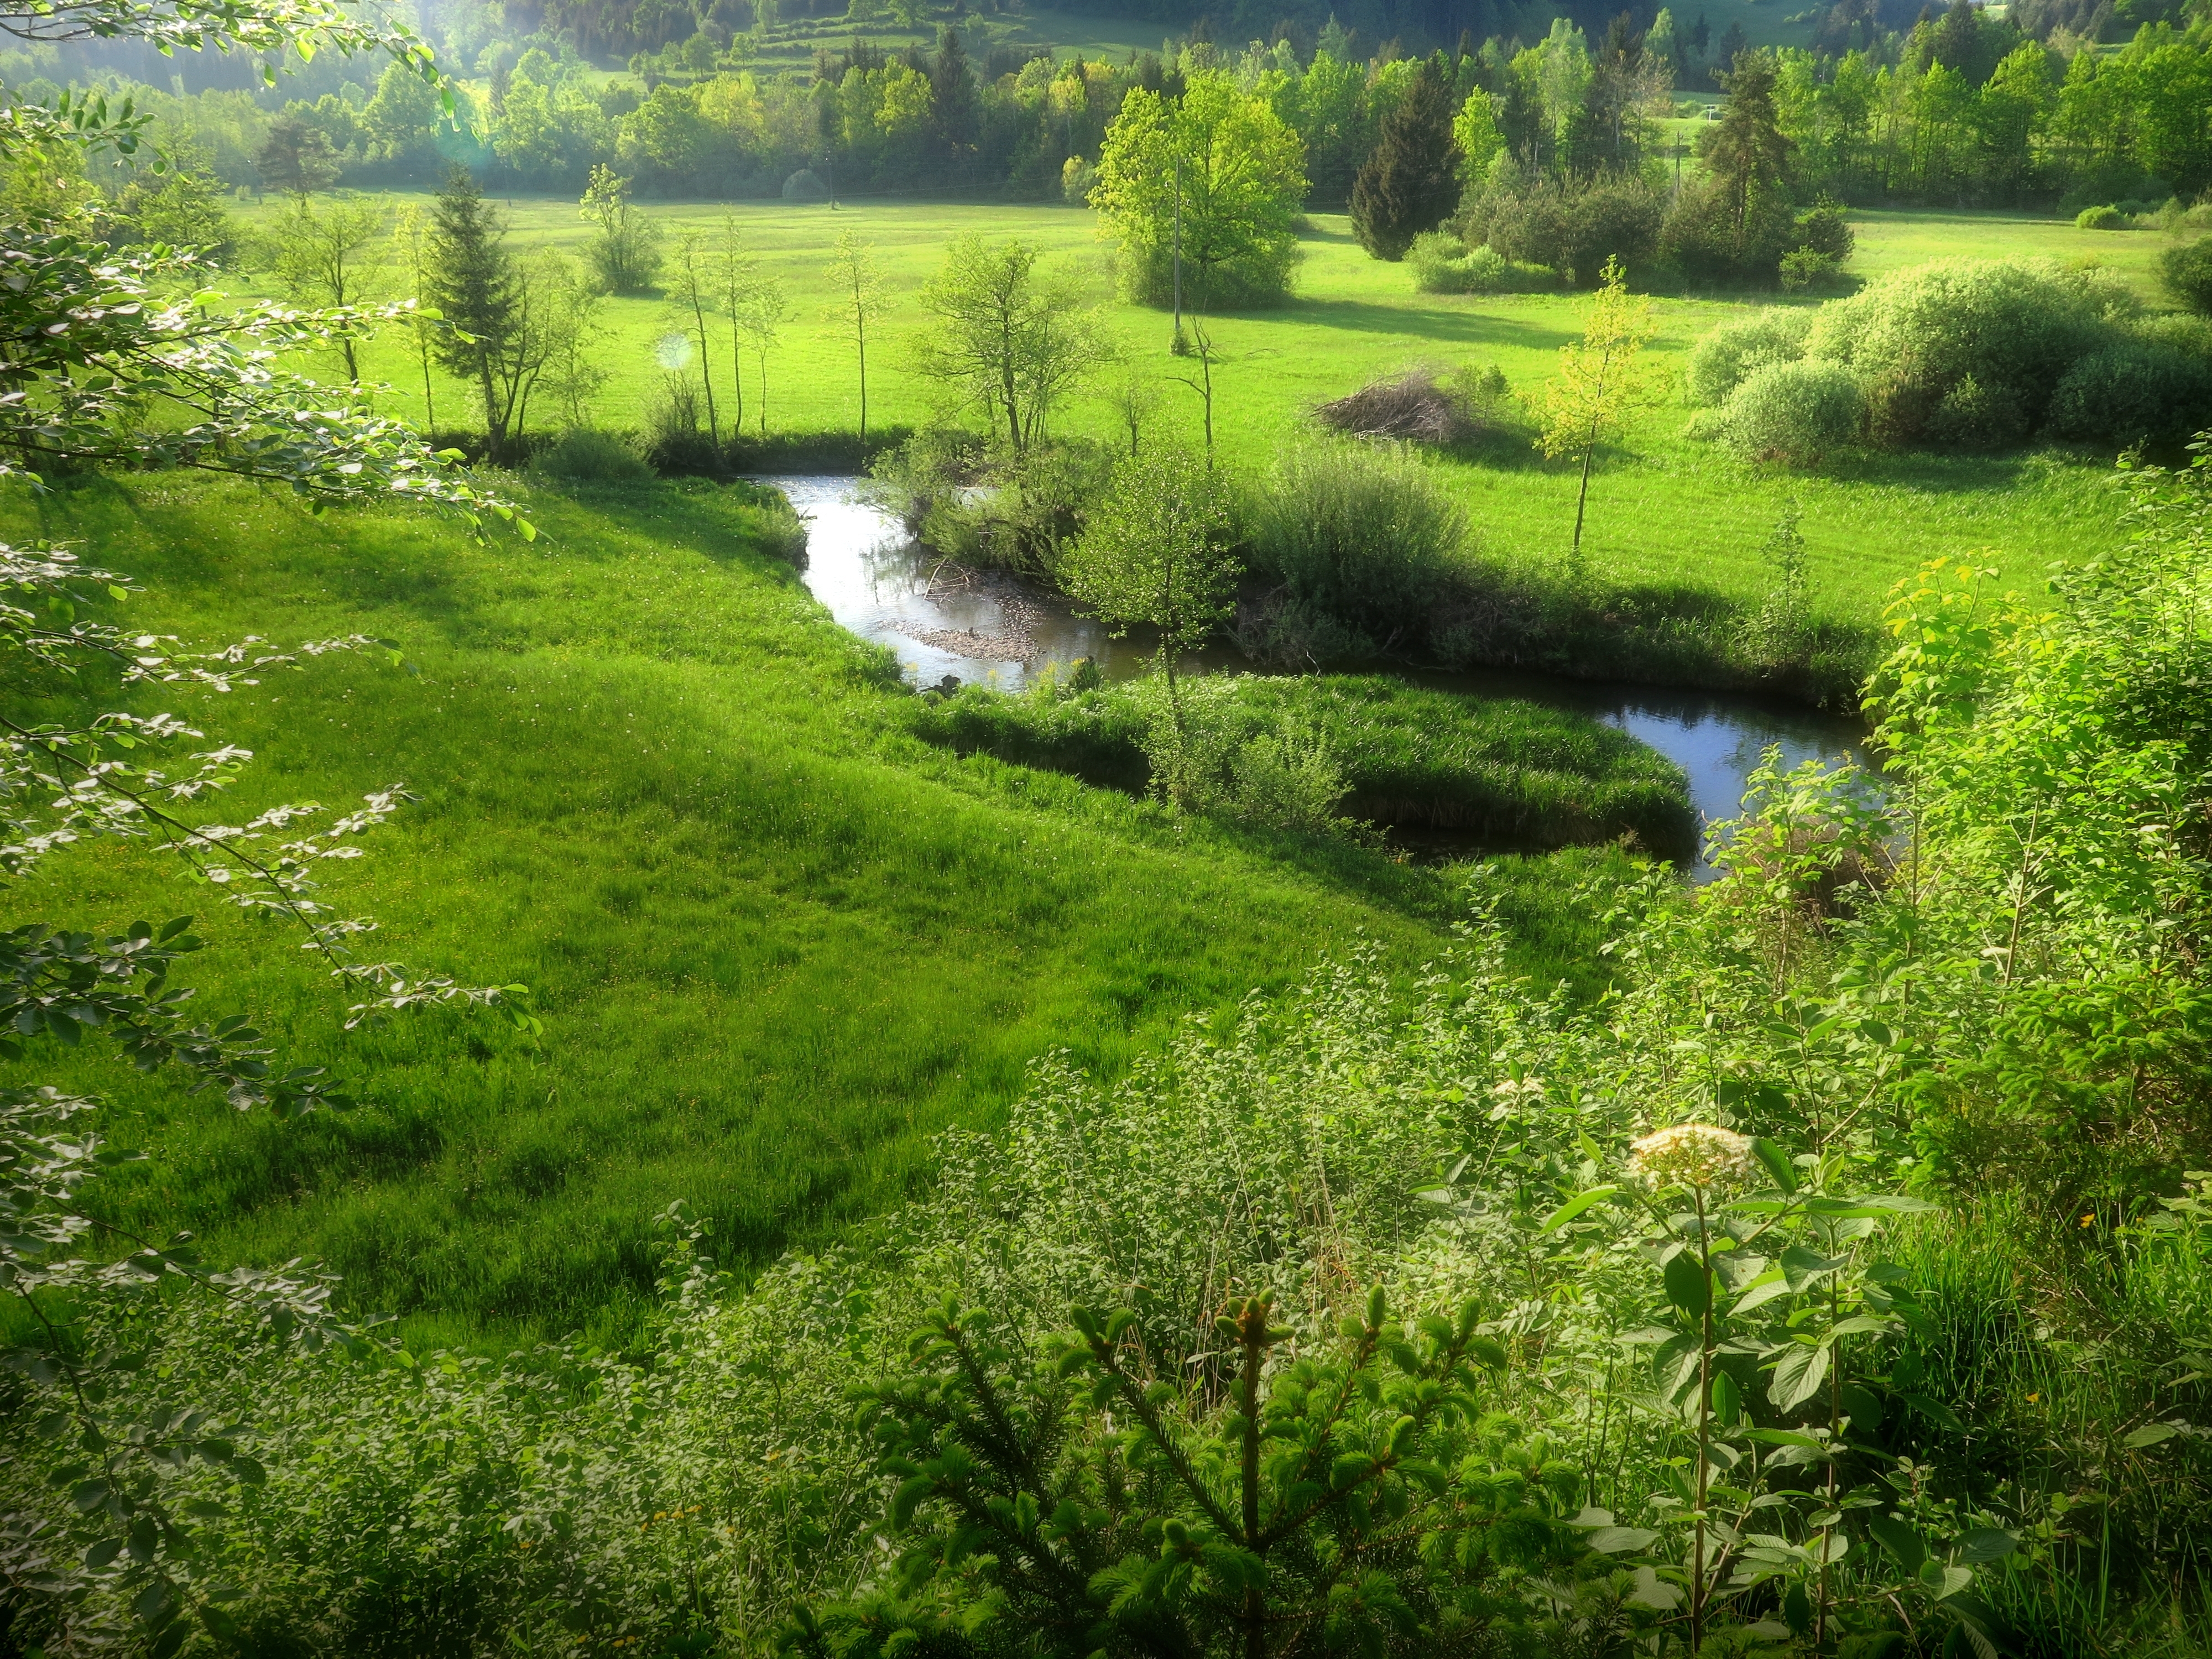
[777, 941]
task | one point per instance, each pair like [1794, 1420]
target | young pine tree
[472, 282]
[1411, 184]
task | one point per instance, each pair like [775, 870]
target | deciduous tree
[1601, 377]
[858, 287]
[1217, 173]
[1006, 340]
[625, 251]
[333, 259]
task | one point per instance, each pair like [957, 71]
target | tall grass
[1494, 770]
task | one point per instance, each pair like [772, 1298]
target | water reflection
[878, 584]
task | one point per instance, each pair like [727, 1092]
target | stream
[878, 583]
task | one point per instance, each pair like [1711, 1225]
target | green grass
[778, 942]
[1665, 513]
[1412, 758]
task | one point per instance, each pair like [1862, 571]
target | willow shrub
[1359, 536]
[1795, 412]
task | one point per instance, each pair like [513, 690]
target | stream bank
[981, 627]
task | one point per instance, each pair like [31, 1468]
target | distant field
[1663, 511]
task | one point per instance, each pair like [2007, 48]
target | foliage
[2014, 328]
[1411, 184]
[1722, 360]
[583, 455]
[1347, 1498]
[1158, 551]
[625, 249]
[1498, 770]
[1601, 378]
[2186, 270]
[2132, 393]
[329, 261]
[1443, 265]
[1358, 535]
[1005, 339]
[1220, 165]
[1570, 225]
[1795, 412]
[477, 288]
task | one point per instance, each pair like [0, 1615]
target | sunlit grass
[1664, 511]
[777, 942]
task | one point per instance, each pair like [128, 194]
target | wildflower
[1691, 1155]
[2089, 1217]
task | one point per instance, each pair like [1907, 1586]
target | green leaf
[1575, 1205]
[1803, 1267]
[1621, 1541]
[1761, 1291]
[1987, 1544]
[1687, 1285]
[1904, 1544]
[2150, 1435]
[1797, 1376]
[1776, 1163]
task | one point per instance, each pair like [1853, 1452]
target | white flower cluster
[1691, 1155]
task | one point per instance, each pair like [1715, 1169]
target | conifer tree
[475, 288]
[1411, 183]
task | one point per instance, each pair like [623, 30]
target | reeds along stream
[879, 584]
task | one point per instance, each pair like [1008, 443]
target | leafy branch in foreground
[62, 783]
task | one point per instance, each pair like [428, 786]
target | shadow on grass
[1455, 327]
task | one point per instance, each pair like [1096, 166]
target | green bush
[1443, 265]
[1294, 749]
[1358, 532]
[1702, 239]
[2131, 393]
[1728, 355]
[2011, 327]
[1570, 226]
[2100, 218]
[1803, 267]
[586, 455]
[2181, 332]
[2186, 270]
[1795, 412]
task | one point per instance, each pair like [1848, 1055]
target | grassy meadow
[1665, 513]
[778, 941]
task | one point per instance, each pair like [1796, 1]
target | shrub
[1731, 353]
[673, 442]
[586, 455]
[1702, 239]
[1440, 267]
[1358, 532]
[2186, 270]
[2100, 218]
[2180, 331]
[804, 185]
[1823, 229]
[1795, 412]
[2012, 327]
[2131, 393]
[1803, 267]
[1571, 226]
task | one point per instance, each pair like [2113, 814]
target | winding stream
[877, 583]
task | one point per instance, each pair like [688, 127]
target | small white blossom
[1691, 1155]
